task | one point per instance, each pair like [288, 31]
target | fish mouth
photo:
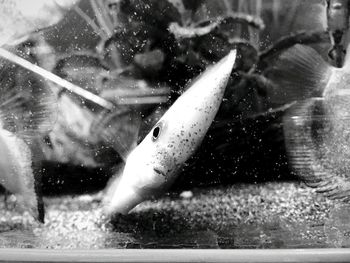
[158, 171]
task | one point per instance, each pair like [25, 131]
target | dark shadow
[64, 178]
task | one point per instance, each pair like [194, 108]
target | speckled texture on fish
[272, 215]
[154, 164]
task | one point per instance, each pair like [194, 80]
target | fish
[20, 18]
[316, 127]
[28, 110]
[153, 165]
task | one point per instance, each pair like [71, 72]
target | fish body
[317, 127]
[19, 18]
[154, 164]
[27, 111]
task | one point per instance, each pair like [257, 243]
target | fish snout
[123, 200]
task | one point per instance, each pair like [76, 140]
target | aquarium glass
[174, 124]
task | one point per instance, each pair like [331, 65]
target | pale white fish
[154, 164]
[27, 110]
[19, 18]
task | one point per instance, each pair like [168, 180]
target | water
[231, 215]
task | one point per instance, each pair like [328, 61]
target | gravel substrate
[271, 215]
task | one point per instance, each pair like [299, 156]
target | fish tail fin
[304, 143]
[119, 129]
[28, 107]
[299, 73]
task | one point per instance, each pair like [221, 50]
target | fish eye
[156, 132]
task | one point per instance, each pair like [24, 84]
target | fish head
[152, 174]
[149, 170]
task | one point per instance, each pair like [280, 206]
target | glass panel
[174, 124]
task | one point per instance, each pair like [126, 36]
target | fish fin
[316, 11]
[306, 152]
[330, 185]
[28, 107]
[299, 73]
[119, 129]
